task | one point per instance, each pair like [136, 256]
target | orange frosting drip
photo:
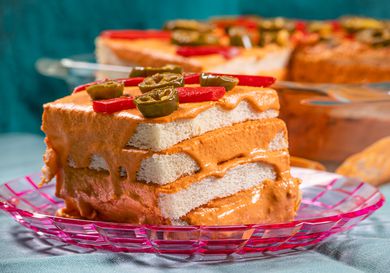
[280, 161]
[269, 202]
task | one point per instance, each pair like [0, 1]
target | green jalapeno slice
[140, 71]
[355, 24]
[158, 102]
[276, 24]
[238, 36]
[215, 80]
[193, 38]
[192, 25]
[374, 37]
[160, 80]
[105, 90]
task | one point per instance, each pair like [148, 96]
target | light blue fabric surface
[366, 248]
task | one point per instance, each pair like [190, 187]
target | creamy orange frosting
[96, 195]
[269, 202]
[279, 160]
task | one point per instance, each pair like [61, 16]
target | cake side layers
[213, 118]
[98, 195]
[201, 153]
[73, 128]
[266, 203]
[241, 177]
[178, 198]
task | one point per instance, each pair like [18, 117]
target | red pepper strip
[192, 78]
[81, 88]
[247, 22]
[246, 80]
[126, 81]
[258, 81]
[113, 105]
[133, 81]
[350, 36]
[336, 26]
[249, 80]
[130, 34]
[301, 26]
[240, 21]
[226, 51]
[198, 94]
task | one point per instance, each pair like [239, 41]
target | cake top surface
[259, 98]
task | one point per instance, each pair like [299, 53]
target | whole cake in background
[351, 49]
[165, 148]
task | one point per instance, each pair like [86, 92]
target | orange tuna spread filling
[268, 202]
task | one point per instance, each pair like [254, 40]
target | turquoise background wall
[31, 29]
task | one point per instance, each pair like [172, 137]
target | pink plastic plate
[330, 204]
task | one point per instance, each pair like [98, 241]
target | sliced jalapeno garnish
[355, 24]
[158, 102]
[239, 37]
[276, 30]
[193, 38]
[160, 80]
[214, 80]
[140, 71]
[373, 37]
[188, 25]
[276, 24]
[105, 90]
[323, 29]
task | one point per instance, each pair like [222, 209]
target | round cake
[344, 62]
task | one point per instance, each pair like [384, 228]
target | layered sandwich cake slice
[210, 162]
[196, 46]
[271, 60]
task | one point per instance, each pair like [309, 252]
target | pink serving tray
[330, 204]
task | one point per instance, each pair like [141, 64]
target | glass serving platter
[330, 204]
[79, 69]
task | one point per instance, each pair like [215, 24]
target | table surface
[366, 248]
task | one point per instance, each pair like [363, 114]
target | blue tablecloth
[366, 248]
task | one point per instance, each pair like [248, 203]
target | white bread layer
[161, 136]
[253, 65]
[175, 205]
[104, 55]
[163, 169]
